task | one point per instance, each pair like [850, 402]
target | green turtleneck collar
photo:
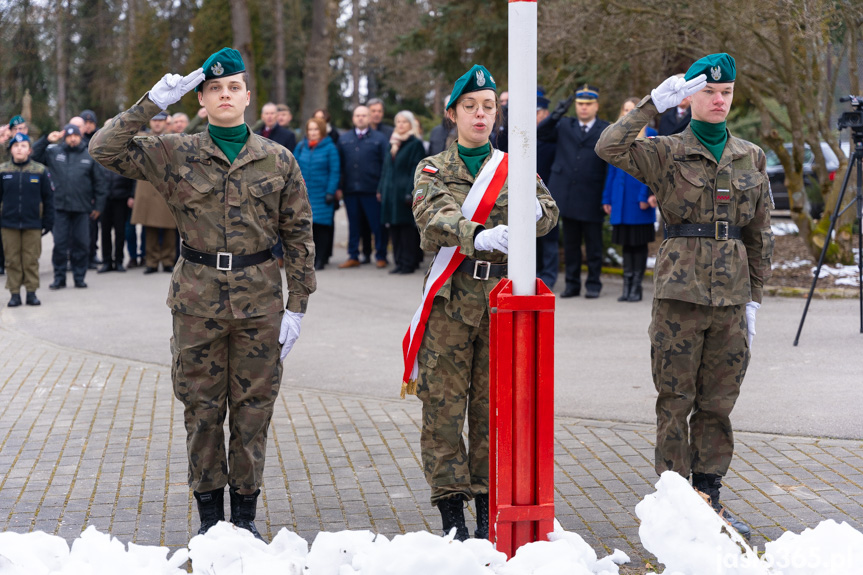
[474, 157]
[712, 136]
[230, 140]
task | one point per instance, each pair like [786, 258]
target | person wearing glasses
[461, 212]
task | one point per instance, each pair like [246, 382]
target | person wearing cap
[461, 212]
[714, 194]
[576, 182]
[26, 214]
[152, 213]
[90, 125]
[233, 194]
[80, 190]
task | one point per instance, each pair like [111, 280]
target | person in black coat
[273, 131]
[675, 120]
[396, 191]
[117, 211]
[547, 249]
[576, 184]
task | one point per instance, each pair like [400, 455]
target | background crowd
[368, 169]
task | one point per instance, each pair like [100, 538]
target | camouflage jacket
[690, 188]
[242, 208]
[437, 209]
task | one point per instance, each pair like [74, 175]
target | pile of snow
[677, 526]
[792, 265]
[686, 535]
[226, 550]
[784, 228]
[847, 275]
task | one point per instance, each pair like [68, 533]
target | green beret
[15, 121]
[225, 62]
[719, 69]
[474, 80]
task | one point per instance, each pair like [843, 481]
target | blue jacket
[623, 193]
[320, 169]
[362, 161]
[577, 174]
[26, 196]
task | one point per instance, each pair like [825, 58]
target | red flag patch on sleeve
[430, 170]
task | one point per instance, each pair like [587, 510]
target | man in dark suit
[362, 152]
[273, 131]
[675, 119]
[576, 183]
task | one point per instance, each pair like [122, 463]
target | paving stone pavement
[89, 439]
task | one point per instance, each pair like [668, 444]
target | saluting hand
[674, 90]
[172, 87]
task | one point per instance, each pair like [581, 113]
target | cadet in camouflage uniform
[453, 360]
[714, 194]
[233, 194]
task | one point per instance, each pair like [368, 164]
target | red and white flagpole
[521, 446]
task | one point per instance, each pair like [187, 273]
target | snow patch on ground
[687, 536]
[784, 228]
[677, 526]
[791, 265]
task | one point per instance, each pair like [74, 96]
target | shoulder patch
[420, 192]
[430, 170]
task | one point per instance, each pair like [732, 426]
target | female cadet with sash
[460, 205]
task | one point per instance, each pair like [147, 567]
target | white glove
[172, 87]
[674, 90]
[538, 210]
[289, 332]
[496, 238]
[751, 308]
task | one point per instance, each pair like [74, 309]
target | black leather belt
[224, 261]
[481, 270]
[716, 230]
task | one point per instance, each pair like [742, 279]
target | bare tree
[356, 57]
[62, 65]
[242, 29]
[279, 52]
[316, 69]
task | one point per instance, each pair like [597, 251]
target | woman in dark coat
[632, 207]
[396, 192]
[318, 159]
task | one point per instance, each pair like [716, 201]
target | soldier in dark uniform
[451, 370]
[576, 182]
[713, 191]
[233, 194]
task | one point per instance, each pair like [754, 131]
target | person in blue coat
[632, 210]
[319, 163]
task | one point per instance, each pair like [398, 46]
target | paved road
[351, 341]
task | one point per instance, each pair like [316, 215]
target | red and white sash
[477, 207]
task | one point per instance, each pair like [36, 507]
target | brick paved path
[87, 439]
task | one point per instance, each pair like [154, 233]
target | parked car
[776, 173]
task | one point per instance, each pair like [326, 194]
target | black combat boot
[627, 275]
[709, 484]
[15, 300]
[243, 508]
[32, 299]
[639, 266]
[481, 503]
[452, 515]
[211, 508]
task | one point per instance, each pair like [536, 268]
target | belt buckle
[479, 266]
[721, 231]
[219, 257]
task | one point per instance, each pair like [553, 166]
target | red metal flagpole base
[521, 421]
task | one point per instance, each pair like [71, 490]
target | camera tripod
[855, 162]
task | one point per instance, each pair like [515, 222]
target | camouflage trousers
[453, 382]
[222, 365]
[699, 356]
